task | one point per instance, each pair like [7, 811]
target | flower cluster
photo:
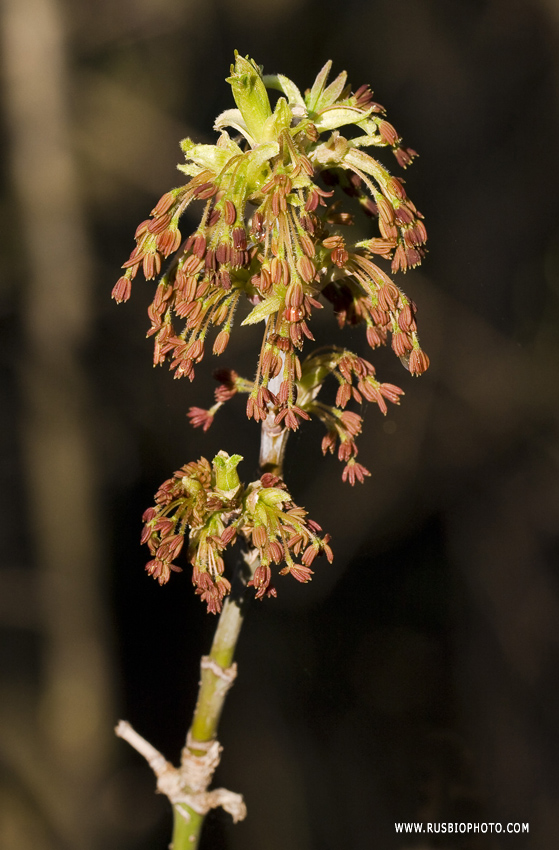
[270, 231]
[209, 501]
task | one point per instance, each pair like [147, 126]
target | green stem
[219, 669]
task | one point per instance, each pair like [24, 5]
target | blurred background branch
[58, 748]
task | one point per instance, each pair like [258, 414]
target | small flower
[200, 418]
[354, 471]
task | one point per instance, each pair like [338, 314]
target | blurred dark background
[416, 678]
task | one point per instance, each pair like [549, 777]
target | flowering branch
[270, 233]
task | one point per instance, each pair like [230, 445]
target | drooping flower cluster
[270, 231]
[356, 382]
[209, 501]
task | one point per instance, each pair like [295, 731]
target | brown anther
[223, 253]
[387, 297]
[220, 342]
[199, 246]
[388, 231]
[307, 223]
[220, 314]
[157, 225]
[276, 271]
[214, 217]
[142, 228]
[229, 212]
[404, 215]
[240, 238]
[295, 333]
[312, 133]
[206, 190]
[374, 337]
[259, 536]
[312, 200]
[307, 245]
[257, 225]
[385, 210]
[334, 242]
[122, 289]
[163, 204]
[418, 362]
[369, 207]
[284, 391]
[396, 187]
[265, 280]
[406, 321]
[151, 265]
[294, 294]
[388, 132]
[343, 395]
[383, 247]
[168, 241]
[294, 314]
[344, 218]
[339, 257]
[401, 344]
[306, 269]
[210, 260]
